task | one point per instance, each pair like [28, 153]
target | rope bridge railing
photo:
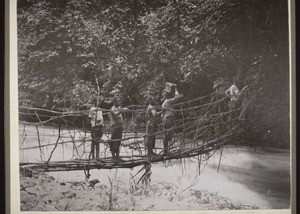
[61, 141]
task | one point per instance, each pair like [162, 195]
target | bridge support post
[146, 177]
[147, 174]
[87, 173]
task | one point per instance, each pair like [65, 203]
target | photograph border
[11, 121]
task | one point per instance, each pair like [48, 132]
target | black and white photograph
[161, 105]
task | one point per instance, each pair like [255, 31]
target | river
[255, 177]
[259, 178]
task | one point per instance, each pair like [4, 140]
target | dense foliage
[70, 50]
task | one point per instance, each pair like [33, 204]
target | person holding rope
[235, 96]
[167, 113]
[117, 129]
[96, 117]
[151, 128]
[233, 93]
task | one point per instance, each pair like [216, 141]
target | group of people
[97, 122]
[170, 96]
[237, 97]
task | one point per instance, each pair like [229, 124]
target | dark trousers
[115, 143]
[151, 128]
[96, 134]
[168, 123]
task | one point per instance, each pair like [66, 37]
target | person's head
[216, 87]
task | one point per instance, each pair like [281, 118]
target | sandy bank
[42, 192]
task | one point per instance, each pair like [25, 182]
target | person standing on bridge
[117, 128]
[151, 128]
[233, 93]
[235, 96]
[96, 116]
[167, 113]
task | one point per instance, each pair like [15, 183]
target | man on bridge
[117, 128]
[96, 116]
[167, 113]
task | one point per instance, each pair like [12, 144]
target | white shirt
[96, 116]
[233, 92]
[167, 105]
[116, 113]
[151, 111]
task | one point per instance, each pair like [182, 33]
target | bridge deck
[109, 163]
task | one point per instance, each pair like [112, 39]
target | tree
[133, 47]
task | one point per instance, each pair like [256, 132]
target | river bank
[254, 177]
[246, 180]
[43, 192]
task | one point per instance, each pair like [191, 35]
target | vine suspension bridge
[60, 141]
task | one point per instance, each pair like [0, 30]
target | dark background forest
[70, 49]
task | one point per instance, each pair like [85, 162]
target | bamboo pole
[39, 141]
[108, 163]
[47, 163]
[220, 158]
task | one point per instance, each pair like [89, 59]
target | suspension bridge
[60, 140]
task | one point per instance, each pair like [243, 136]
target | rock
[27, 182]
[98, 185]
[43, 192]
[24, 207]
[36, 176]
[97, 207]
[28, 201]
[69, 194]
[93, 182]
[27, 172]
[231, 206]
[48, 199]
[41, 179]
[89, 206]
[40, 206]
[205, 200]
[33, 191]
[23, 196]
[62, 204]
[238, 205]
[76, 205]
[49, 208]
